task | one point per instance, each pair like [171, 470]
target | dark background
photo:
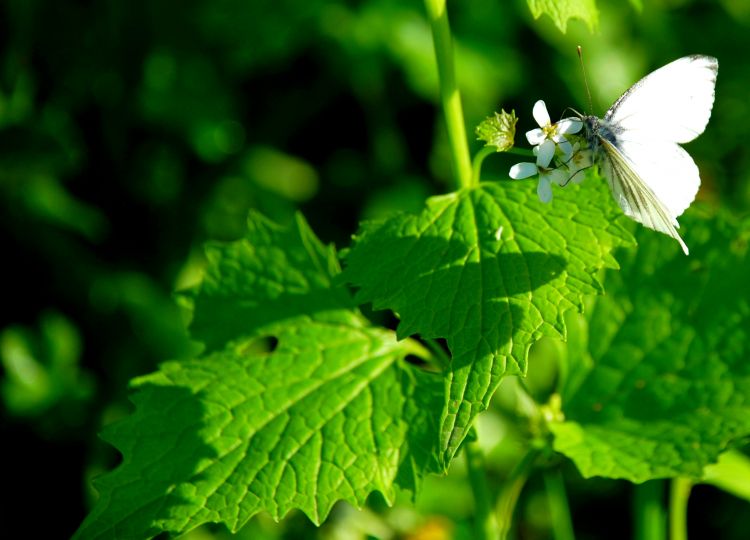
[132, 132]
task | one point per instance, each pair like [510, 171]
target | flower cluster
[560, 154]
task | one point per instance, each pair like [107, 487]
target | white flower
[547, 175]
[547, 135]
[581, 159]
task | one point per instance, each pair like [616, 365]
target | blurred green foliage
[131, 132]
[43, 380]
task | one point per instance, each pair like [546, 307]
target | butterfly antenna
[566, 109]
[585, 79]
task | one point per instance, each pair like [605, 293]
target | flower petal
[535, 136]
[546, 153]
[566, 147]
[581, 160]
[569, 125]
[540, 114]
[519, 171]
[558, 176]
[544, 189]
[578, 177]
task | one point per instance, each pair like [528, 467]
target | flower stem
[486, 526]
[476, 165]
[562, 524]
[506, 503]
[449, 95]
[650, 518]
[678, 501]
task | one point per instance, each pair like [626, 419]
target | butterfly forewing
[672, 103]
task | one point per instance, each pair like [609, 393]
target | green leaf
[315, 406]
[562, 10]
[276, 274]
[662, 385]
[491, 270]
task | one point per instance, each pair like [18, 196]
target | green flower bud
[498, 130]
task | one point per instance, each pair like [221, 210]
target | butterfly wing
[652, 178]
[665, 167]
[637, 200]
[672, 103]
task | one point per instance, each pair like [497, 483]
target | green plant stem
[679, 493]
[562, 524]
[650, 516]
[450, 97]
[486, 526]
[476, 165]
[506, 503]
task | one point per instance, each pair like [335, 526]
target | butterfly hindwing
[634, 196]
[665, 167]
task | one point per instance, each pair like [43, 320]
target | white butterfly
[636, 143]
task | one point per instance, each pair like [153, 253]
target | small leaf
[312, 406]
[663, 384]
[491, 270]
[562, 10]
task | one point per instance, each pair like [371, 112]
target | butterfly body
[636, 144]
[596, 129]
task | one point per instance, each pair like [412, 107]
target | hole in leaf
[260, 345]
[272, 342]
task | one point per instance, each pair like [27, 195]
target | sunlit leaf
[491, 270]
[312, 406]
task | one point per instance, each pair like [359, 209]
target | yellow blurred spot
[435, 528]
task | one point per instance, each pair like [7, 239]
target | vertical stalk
[450, 97]
[506, 503]
[678, 501]
[486, 526]
[562, 524]
[650, 516]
